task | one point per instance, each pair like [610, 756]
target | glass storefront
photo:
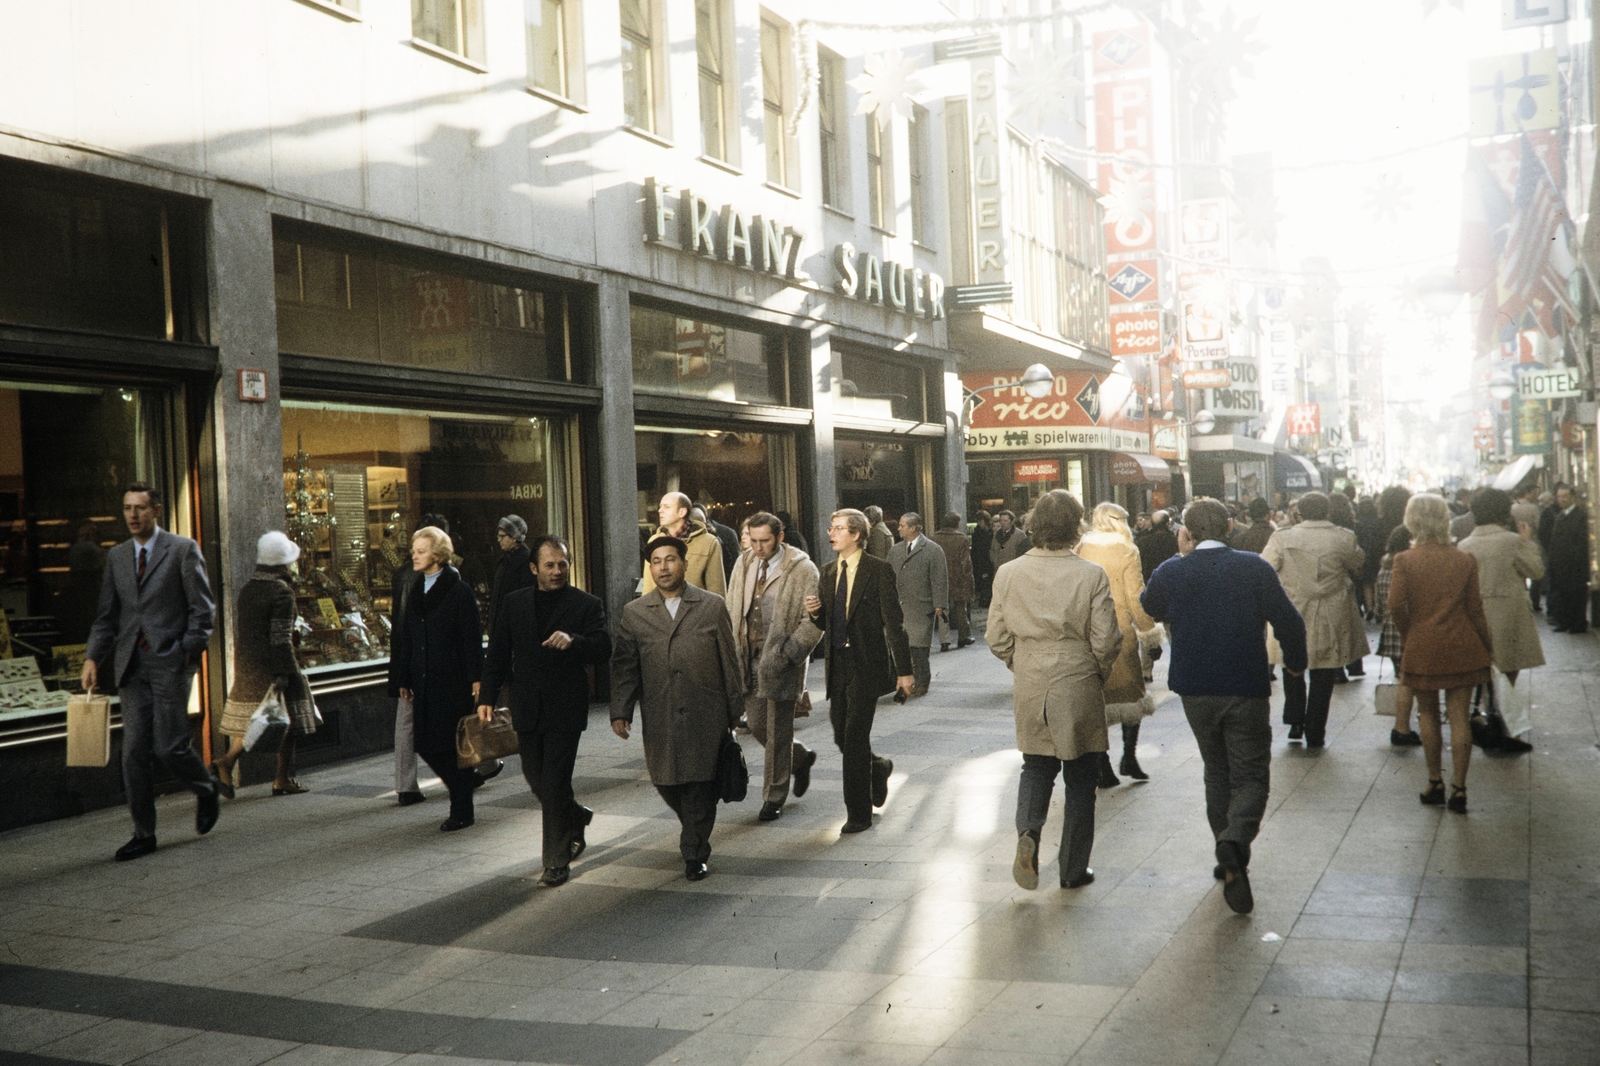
[66, 454]
[732, 473]
[346, 301]
[357, 481]
[678, 356]
[895, 475]
[1017, 484]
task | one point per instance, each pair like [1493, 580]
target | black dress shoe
[802, 772]
[555, 876]
[1219, 873]
[855, 827]
[1297, 732]
[965, 643]
[1130, 766]
[207, 807]
[1312, 745]
[136, 848]
[880, 781]
[695, 871]
[579, 843]
[487, 771]
[1235, 881]
[406, 799]
[1516, 744]
[1404, 740]
[1079, 882]
[450, 825]
[770, 812]
[945, 646]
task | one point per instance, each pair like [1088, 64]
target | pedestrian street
[338, 928]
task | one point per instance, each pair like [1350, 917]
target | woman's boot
[1130, 762]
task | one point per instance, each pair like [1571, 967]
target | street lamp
[1439, 293]
[1036, 382]
[1502, 385]
[1203, 422]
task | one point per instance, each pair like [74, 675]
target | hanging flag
[1535, 259]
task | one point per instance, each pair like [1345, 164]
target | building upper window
[639, 89]
[454, 26]
[555, 52]
[831, 130]
[919, 130]
[710, 51]
[880, 180]
[776, 105]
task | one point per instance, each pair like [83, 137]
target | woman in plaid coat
[1389, 644]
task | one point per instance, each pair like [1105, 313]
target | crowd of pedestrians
[728, 621]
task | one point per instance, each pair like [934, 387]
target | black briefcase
[733, 776]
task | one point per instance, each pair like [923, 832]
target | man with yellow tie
[857, 606]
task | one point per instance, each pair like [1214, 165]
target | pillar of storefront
[954, 497]
[248, 434]
[825, 377]
[617, 469]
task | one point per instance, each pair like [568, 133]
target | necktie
[761, 579]
[143, 552]
[841, 608]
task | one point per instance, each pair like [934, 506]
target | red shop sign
[1036, 470]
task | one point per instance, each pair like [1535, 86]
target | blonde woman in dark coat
[263, 657]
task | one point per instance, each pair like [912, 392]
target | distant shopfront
[1090, 436]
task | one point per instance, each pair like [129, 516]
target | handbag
[1386, 695]
[733, 776]
[478, 741]
[269, 724]
[1488, 727]
[88, 730]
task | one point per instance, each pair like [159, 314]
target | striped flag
[1535, 250]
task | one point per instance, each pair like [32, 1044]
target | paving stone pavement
[338, 928]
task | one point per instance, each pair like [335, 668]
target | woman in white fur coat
[1109, 543]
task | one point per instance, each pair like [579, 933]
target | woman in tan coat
[1507, 556]
[1109, 543]
[1052, 621]
[1436, 606]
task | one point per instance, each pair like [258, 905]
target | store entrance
[894, 475]
[730, 472]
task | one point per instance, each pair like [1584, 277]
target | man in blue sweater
[1216, 603]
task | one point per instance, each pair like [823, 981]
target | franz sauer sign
[680, 220]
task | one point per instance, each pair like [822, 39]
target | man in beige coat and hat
[1315, 560]
[774, 634]
[674, 658]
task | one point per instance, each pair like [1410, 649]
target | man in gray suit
[154, 620]
[922, 575]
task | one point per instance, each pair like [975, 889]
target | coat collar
[657, 605]
[448, 576]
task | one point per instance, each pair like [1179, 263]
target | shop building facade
[551, 260]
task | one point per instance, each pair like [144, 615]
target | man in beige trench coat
[674, 657]
[1315, 561]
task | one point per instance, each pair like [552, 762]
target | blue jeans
[1078, 778]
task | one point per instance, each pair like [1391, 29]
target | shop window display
[732, 474]
[357, 481]
[66, 454]
[686, 357]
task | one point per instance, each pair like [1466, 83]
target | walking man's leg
[852, 715]
[1317, 702]
[137, 737]
[921, 672]
[1247, 738]
[1078, 780]
[1204, 714]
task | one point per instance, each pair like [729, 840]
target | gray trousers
[772, 724]
[405, 749]
[1078, 778]
[1234, 734]
[695, 804]
[921, 673]
[155, 725]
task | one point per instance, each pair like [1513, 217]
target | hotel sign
[685, 222]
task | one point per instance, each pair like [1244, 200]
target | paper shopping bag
[88, 730]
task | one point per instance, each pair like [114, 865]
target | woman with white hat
[263, 657]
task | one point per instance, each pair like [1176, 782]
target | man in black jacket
[1564, 532]
[1158, 545]
[857, 606]
[543, 639]
[727, 536]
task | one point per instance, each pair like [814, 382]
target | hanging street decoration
[887, 83]
[1387, 198]
[1046, 88]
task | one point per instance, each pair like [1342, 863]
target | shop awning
[1296, 473]
[1516, 472]
[988, 341]
[1131, 468]
[1228, 447]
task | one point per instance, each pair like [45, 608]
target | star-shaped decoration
[1129, 201]
[1387, 198]
[1045, 88]
[1257, 219]
[1430, 6]
[887, 84]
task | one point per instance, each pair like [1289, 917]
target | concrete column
[249, 436]
[618, 468]
[825, 377]
[955, 446]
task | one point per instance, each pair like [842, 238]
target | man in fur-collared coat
[775, 635]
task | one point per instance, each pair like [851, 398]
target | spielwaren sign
[1082, 413]
[680, 220]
